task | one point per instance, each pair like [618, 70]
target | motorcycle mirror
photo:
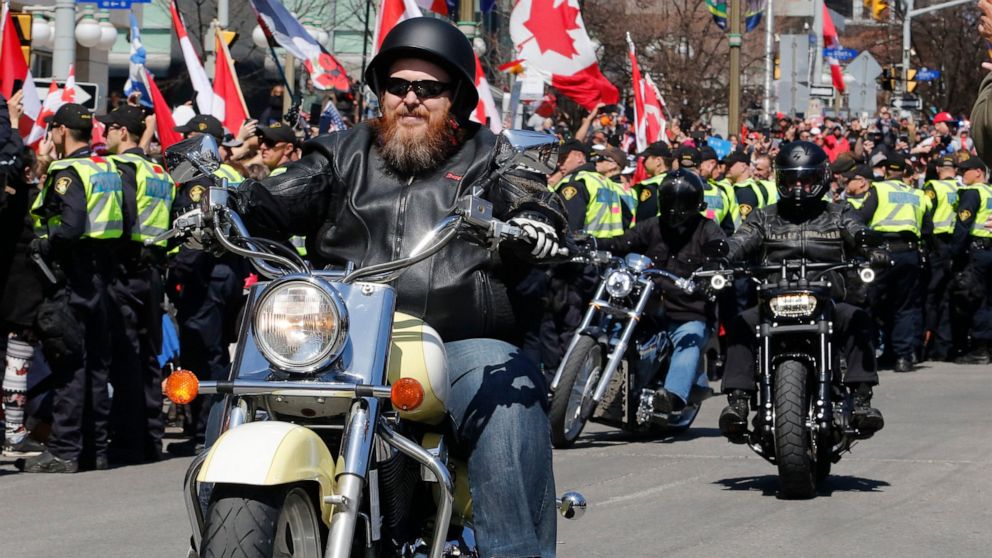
[716, 248]
[525, 149]
[192, 158]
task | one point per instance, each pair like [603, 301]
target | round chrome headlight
[300, 324]
[619, 283]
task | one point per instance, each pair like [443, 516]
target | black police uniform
[973, 261]
[896, 295]
[136, 412]
[82, 402]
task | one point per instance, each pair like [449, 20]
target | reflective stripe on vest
[771, 189]
[604, 216]
[629, 198]
[984, 210]
[900, 208]
[228, 172]
[716, 203]
[155, 193]
[945, 205]
[731, 197]
[104, 197]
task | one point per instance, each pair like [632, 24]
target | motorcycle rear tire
[565, 432]
[797, 469]
[245, 521]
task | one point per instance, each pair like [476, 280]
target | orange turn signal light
[182, 386]
[407, 394]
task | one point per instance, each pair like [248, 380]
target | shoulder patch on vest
[964, 214]
[196, 192]
[645, 194]
[62, 185]
[745, 209]
[569, 192]
[931, 194]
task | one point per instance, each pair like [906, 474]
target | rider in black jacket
[801, 225]
[675, 240]
[368, 195]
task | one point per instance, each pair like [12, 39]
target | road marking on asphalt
[648, 492]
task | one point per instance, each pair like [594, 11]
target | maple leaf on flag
[550, 25]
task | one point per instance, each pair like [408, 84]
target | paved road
[922, 487]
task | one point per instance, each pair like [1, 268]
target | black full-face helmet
[802, 172]
[680, 196]
[436, 41]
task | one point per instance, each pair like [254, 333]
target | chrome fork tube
[191, 491]
[618, 352]
[356, 452]
[441, 473]
[586, 320]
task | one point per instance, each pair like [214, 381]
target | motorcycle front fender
[270, 453]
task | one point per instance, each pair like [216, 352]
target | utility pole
[769, 57]
[64, 50]
[818, 31]
[907, 31]
[734, 38]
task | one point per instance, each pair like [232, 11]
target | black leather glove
[39, 246]
[880, 259]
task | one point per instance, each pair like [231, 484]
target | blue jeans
[498, 405]
[688, 339]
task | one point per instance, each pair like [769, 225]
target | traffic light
[23, 24]
[910, 80]
[888, 78]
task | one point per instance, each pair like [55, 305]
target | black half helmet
[802, 171]
[680, 196]
[434, 40]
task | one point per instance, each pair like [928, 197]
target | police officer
[899, 213]
[79, 217]
[972, 242]
[721, 206]
[136, 411]
[658, 162]
[571, 155]
[277, 146]
[750, 193]
[943, 194]
[208, 294]
[593, 200]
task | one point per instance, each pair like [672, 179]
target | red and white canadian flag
[647, 109]
[53, 101]
[831, 40]
[551, 37]
[486, 109]
[390, 13]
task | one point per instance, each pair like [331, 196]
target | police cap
[73, 116]
[204, 124]
[130, 117]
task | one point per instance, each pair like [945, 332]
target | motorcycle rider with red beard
[367, 195]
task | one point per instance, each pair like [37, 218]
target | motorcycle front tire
[580, 374]
[245, 521]
[793, 448]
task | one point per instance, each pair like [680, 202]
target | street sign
[926, 74]
[862, 90]
[907, 102]
[821, 91]
[113, 4]
[86, 93]
[840, 54]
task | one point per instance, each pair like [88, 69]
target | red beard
[412, 151]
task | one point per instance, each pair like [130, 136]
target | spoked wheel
[572, 403]
[794, 449]
[261, 522]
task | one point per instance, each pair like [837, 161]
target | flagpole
[769, 58]
[365, 53]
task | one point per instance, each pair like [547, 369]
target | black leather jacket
[821, 232]
[352, 208]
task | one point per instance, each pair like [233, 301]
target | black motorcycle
[803, 422]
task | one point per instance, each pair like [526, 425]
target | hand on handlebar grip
[541, 236]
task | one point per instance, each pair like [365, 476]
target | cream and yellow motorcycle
[328, 432]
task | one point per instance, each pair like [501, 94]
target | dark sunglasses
[424, 89]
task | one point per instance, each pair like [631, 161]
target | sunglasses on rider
[424, 89]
